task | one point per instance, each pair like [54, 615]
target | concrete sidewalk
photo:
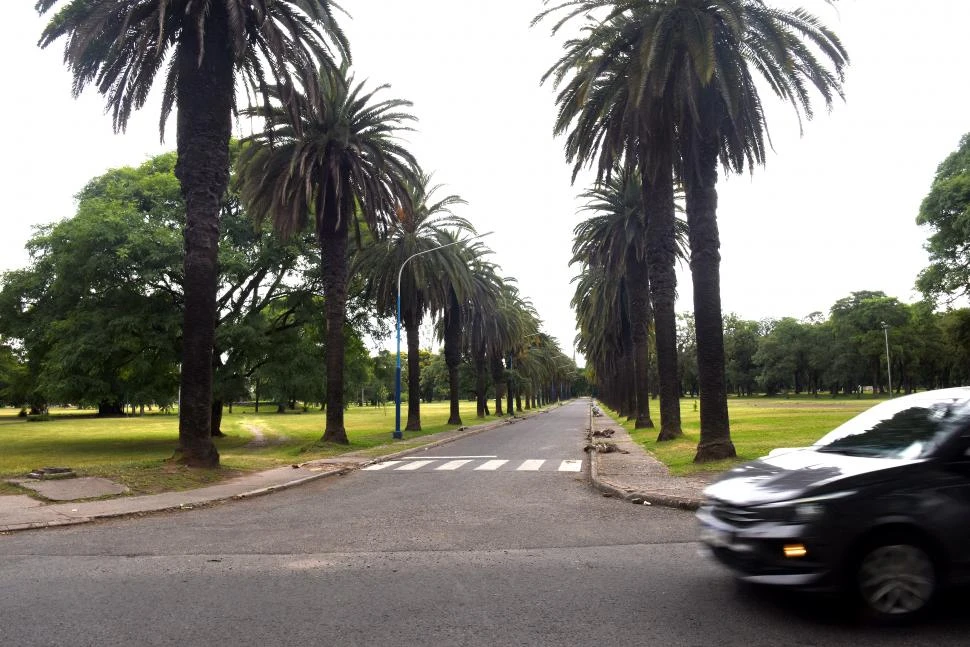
[635, 476]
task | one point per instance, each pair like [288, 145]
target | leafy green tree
[99, 309]
[330, 153]
[120, 46]
[434, 378]
[16, 387]
[858, 321]
[687, 354]
[740, 345]
[781, 356]
[290, 369]
[946, 212]
[954, 349]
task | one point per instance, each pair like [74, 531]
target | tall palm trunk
[453, 354]
[700, 179]
[509, 389]
[638, 287]
[412, 325]
[481, 382]
[205, 93]
[498, 381]
[333, 246]
[658, 200]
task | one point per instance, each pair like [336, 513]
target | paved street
[428, 549]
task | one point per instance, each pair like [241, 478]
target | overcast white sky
[832, 212]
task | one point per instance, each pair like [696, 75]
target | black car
[879, 507]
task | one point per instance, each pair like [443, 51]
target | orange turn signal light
[795, 550]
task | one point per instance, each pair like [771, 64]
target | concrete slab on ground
[17, 502]
[85, 487]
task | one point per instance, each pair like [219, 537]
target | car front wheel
[896, 580]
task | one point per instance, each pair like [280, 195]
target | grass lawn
[134, 450]
[758, 425]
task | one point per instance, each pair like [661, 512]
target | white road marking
[491, 465]
[452, 465]
[571, 466]
[415, 458]
[379, 466]
[412, 466]
[458, 462]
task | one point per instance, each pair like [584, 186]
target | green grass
[134, 450]
[758, 425]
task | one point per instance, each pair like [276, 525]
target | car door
[955, 490]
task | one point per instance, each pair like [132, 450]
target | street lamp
[397, 374]
[889, 371]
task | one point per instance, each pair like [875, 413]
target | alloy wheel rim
[897, 580]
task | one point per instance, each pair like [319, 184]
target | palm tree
[510, 326]
[604, 336]
[607, 124]
[451, 330]
[427, 223]
[689, 68]
[332, 151]
[719, 118]
[120, 46]
[477, 312]
[615, 238]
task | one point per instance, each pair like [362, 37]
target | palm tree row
[330, 156]
[610, 248]
[668, 89]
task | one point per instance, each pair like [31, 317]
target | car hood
[792, 474]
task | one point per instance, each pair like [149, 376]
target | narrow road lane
[429, 556]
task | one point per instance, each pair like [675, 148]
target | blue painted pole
[397, 377]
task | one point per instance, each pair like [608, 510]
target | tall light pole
[397, 373]
[889, 370]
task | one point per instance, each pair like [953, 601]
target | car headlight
[805, 512]
[806, 509]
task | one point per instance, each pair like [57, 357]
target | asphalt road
[520, 552]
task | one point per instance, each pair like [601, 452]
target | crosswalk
[476, 464]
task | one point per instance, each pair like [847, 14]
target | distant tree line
[843, 353]
[95, 319]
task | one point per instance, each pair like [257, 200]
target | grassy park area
[133, 449]
[758, 425]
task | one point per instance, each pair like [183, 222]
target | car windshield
[907, 428]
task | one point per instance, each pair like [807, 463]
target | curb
[638, 498]
[635, 497]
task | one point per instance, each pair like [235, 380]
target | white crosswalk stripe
[477, 464]
[453, 465]
[413, 465]
[491, 465]
[380, 466]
